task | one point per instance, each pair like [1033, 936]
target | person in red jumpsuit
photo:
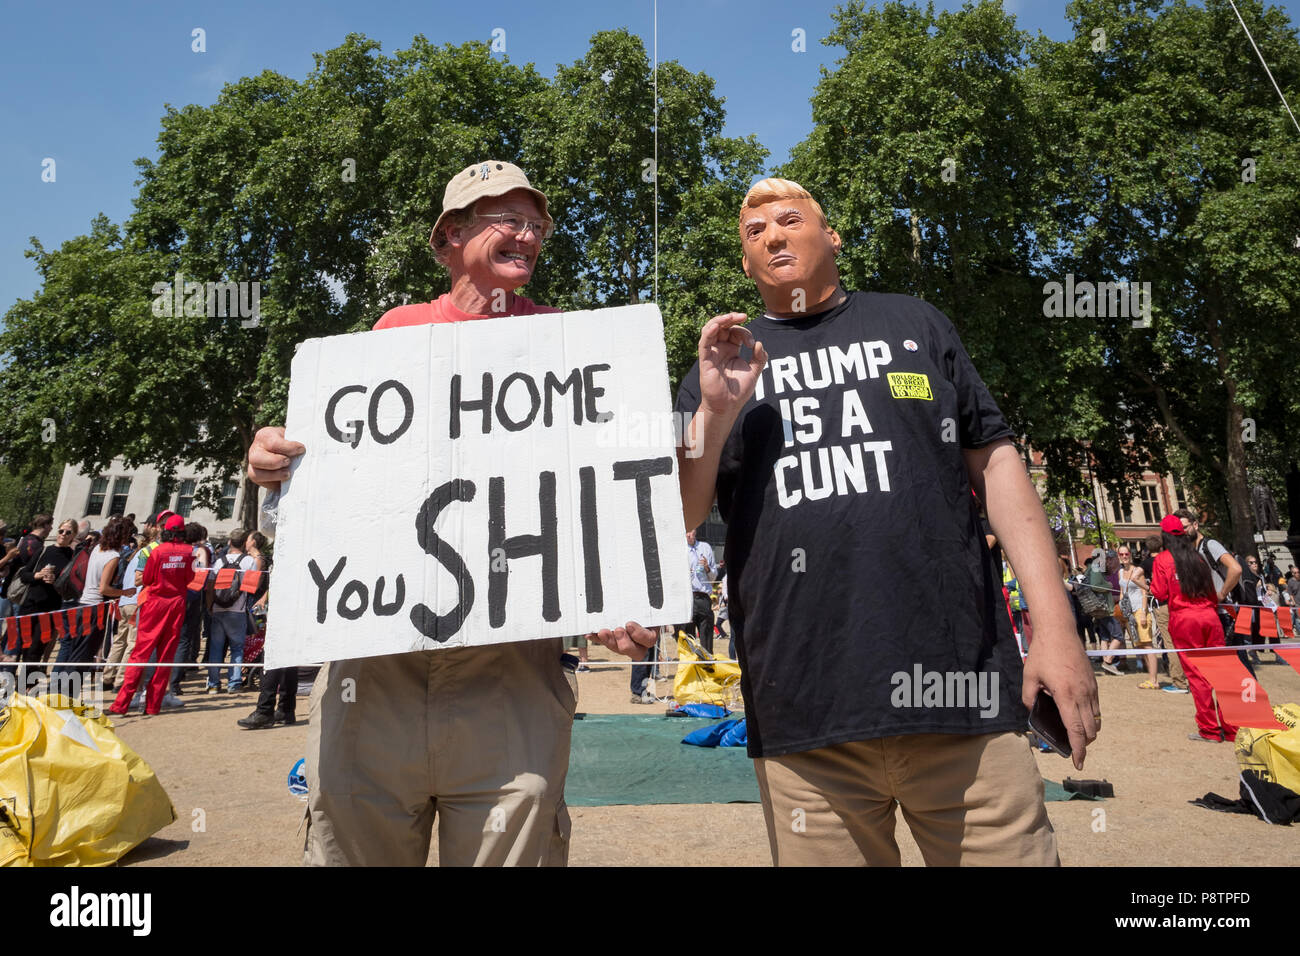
[1180, 578]
[167, 574]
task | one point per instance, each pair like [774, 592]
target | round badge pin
[909, 345]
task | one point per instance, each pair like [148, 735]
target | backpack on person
[72, 579]
[1238, 594]
[1093, 592]
[1091, 603]
[17, 586]
[123, 565]
[17, 591]
[226, 597]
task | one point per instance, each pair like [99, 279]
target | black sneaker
[289, 721]
[256, 721]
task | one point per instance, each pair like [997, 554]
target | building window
[1150, 505]
[185, 498]
[1179, 495]
[162, 501]
[121, 488]
[95, 503]
[226, 506]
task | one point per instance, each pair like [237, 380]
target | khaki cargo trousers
[969, 800]
[476, 737]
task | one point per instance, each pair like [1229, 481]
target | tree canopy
[323, 192]
[960, 159]
[971, 165]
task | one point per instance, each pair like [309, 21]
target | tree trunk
[1239, 510]
[1234, 472]
[1293, 504]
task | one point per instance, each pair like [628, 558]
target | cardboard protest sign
[476, 483]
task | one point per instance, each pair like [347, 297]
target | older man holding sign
[507, 524]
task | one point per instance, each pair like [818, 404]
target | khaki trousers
[478, 737]
[1176, 675]
[969, 801]
[123, 642]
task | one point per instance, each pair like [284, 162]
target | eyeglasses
[518, 225]
[67, 531]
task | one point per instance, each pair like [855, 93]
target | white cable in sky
[1266, 69]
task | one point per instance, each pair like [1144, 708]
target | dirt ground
[228, 786]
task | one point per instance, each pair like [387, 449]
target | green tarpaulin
[638, 760]
[631, 759]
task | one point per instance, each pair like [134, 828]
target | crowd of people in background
[159, 619]
[1178, 589]
[1119, 598]
[708, 610]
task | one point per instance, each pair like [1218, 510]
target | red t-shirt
[441, 310]
[169, 570]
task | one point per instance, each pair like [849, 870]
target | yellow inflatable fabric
[701, 682]
[71, 792]
[1273, 754]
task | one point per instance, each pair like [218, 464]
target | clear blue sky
[86, 81]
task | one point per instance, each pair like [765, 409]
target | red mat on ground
[1234, 689]
[1289, 654]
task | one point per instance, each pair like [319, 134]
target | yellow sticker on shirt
[909, 385]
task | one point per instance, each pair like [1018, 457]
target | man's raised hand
[726, 379]
[269, 457]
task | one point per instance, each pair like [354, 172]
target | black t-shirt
[857, 565]
[1147, 564]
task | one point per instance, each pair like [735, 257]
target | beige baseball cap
[489, 178]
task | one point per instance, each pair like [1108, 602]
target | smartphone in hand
[1045, 721]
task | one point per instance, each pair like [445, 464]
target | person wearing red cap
[167, 574]
[1182, 580]
[133, 598]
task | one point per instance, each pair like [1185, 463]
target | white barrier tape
[665, 661]
[1293, 645]
[66, 666]
[1151, 601]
